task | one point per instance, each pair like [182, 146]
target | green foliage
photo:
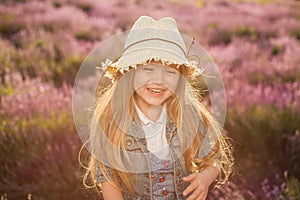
[57, 4]
[260, 131]
[66, 70]
[221, 36]
[292, 189]
[83, 35]
[39, 156]
[40, 54]
[7, 53]
[10, 24]
[289, 76]
[276, 50]
[247, 31]
[90, 33]
[295, 33]
[218, 35]
[55, 26]
[85, 7]
[7, 90]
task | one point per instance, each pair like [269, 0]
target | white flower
[105, 64]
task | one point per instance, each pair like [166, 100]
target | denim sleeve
[100, 178]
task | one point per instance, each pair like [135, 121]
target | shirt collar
[146, 121]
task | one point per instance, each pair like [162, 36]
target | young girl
[150, 124]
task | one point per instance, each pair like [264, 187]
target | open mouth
[155, 91]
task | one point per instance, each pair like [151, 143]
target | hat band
[140, 41]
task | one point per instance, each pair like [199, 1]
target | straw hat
[151, 40]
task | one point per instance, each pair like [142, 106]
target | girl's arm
[200, 182]
[110, 192]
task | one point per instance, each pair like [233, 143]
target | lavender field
[255, 43]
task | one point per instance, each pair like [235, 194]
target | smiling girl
[150, 124]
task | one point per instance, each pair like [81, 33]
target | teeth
[155, 90]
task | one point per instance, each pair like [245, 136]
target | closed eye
[148, 69]
[171, 72]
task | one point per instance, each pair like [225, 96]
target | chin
[156, 103]
[153, 104]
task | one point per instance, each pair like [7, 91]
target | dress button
[161, 179]
[166, 163]
[152, 176]
[144, 141]
[128, 142]
[177, 172]
[165, 192]
[179, 187]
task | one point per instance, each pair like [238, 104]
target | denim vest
[166, 182]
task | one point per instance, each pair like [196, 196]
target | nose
[158, 76]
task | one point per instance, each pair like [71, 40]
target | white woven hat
[151, 40]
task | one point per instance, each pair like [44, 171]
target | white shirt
[155, 133]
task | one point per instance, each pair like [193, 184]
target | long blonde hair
[113, 117]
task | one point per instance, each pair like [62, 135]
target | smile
[156, 91]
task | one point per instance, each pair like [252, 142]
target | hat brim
[144, 56]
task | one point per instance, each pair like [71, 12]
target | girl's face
[153, 84]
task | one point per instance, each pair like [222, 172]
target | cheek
[139, 80]
[138, 92]
[172, 84]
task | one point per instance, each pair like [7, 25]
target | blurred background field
[255, 43]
